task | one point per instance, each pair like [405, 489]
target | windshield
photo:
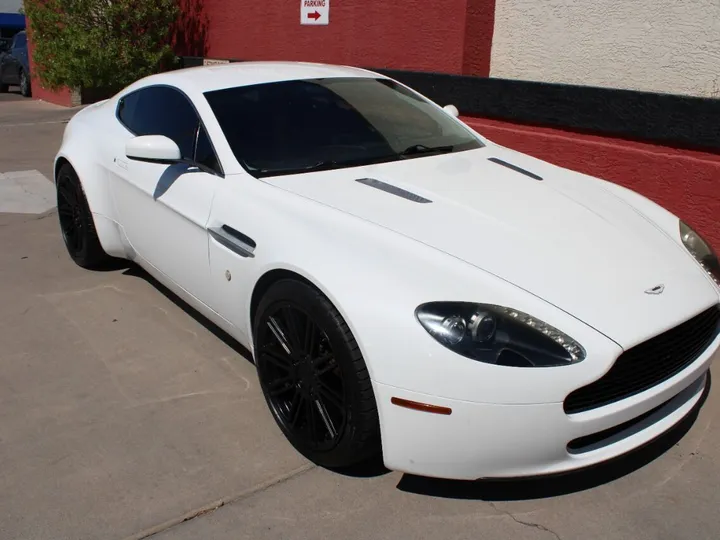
[319, 124]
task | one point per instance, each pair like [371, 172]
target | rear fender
[82, 154]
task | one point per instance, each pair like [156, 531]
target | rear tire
[76, 222]
[314, 377]
[4, 88]
[25, 89]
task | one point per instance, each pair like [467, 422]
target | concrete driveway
[123, 415]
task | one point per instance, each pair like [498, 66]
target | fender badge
[657, 289]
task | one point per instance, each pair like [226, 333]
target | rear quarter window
[126, 110]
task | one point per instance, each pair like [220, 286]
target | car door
[164, 209]
[20, 53]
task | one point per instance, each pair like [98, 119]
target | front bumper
[484, 440]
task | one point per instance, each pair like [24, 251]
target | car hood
[565, 238]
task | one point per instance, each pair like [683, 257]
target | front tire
[314, 377]
[76, 222]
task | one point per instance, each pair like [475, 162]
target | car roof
[219, 76]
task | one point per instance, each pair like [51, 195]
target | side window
[160, 110]
[126, 110]
[164, 111]
[19, 41]
[204, 153]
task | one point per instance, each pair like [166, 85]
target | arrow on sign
[314, 15]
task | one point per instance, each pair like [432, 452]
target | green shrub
[100, 44]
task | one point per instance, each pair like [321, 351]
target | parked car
[15, 66]
[403, 283]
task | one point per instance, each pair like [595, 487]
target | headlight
[498, 335]
[701, 250]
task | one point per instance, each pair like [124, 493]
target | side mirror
[153, 149]
[451, 110]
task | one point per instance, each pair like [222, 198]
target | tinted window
[20, 41]
[126, 110]
[161, 110]
[295, 126]
[164, 111]
[204, 153]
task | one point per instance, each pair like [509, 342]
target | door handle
[121, 163]
[234, 240]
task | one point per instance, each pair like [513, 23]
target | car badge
[657, 289]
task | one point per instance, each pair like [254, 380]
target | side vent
[515, 168]
[394, 190]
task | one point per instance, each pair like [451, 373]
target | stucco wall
[10, 6]
[668, 46]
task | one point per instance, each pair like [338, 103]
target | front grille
[649, 363]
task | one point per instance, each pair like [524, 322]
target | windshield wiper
[319, 166]
[417, 149]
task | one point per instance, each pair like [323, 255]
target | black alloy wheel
[313, 376]
[76, 222]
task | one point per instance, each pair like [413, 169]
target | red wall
[453, 36]
[479, 29]
[404, 34]
[683, 181]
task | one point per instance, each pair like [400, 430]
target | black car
[15, 65]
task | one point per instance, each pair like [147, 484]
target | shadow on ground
[131, 269]
[485, 490]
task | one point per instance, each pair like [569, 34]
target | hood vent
[394, 190]
[515, 168]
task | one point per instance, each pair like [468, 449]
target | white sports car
[404, 284]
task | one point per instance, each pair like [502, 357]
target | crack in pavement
[209, 508]
[517, 520]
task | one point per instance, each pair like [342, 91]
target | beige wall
[654, 45]
[10, 6]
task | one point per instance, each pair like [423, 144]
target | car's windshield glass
[320, 124]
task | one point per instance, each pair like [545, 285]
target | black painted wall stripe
[674, 120]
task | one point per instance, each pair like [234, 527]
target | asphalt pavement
[123, 415]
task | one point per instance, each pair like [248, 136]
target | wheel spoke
[296, 407]
[288, 315]
[279, 334]
[67, 193]
[280, 386]
[312, 424]
[324, 364]
[310, 337]
[279, 360]
[65, 210]
[326, 419]
[331, 395]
